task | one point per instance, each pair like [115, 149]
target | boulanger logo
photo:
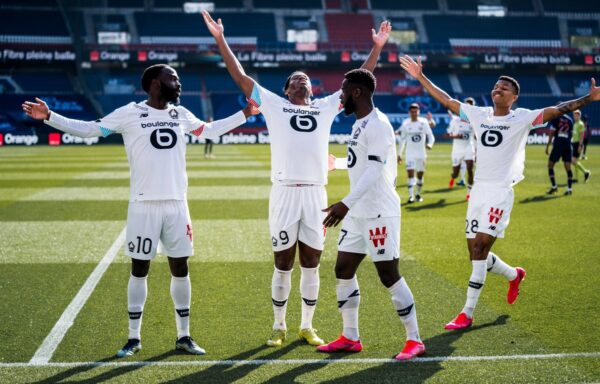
[351, 158]
[416, 138]
[170, 124]
[303, 123]
[163, 138]
[300, 111]
[491, 138]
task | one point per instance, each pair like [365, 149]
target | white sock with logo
[181, 293]
[499, 267]
[309, 291]
[137, 291]
[476, 282]
[404, 303]
[348, 296]
[281, 284]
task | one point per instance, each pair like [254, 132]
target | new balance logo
[495, 215]
[475, 285]
[308, 302]
[279, 303]
[492, 227]
[378, 236]
[353, 294]
[381, 251]
[135, 315]
[405, 311]
[185, 312]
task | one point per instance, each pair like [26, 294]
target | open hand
[250, 110]
[381, 37]
[594, 91]
[335, 214]
[415, 69]
[215, 28]
[331, 162]
[38, 111]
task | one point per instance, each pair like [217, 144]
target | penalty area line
[44, 353]
[433, 359]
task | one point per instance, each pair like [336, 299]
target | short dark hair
[414, 106]
[150, 74]
[470, 100]
[514, 82]
[362, 77]
[287, 82]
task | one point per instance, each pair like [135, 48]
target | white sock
[181, 293]
[411, 186]
[309, 291]
[475, 285]
[281, 285]
[419, 186]
[404, 303]
[499, 267]
[348, 296]
[137, 291]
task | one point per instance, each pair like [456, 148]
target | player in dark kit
[561, 130]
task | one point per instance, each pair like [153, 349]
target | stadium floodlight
[193, 7]
[491, 10]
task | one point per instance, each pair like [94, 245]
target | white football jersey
[373, 139]
[465, 143]
[501, 142]
[155, 144]
[415, 135]
[299, 136]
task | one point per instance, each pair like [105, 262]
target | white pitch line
[433, 359]
[44, 353]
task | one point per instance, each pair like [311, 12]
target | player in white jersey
[299, 131]
[154, 136]
[501, 135]
[415, 134]
[371, 214]
[463, 147]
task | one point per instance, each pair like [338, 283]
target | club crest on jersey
[378, 236]
[495, 215]
[174, 114]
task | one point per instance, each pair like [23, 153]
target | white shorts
[377, 237]
[295, 214]
[460, 156]
[167, 221]
[489, 210]
[416, 164]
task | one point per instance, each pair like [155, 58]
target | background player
[463, 147]
[372, 224]
[561, 130]
[501, 138]
[154, 136]
[299, 131]
[415, 133]
[577, 144]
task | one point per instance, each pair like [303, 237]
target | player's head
[505, 92]
[577, 115]
[298, 83]
[413, 111]
[470, 101]
[161, 81]
[357, 89]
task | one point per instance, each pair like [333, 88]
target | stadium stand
[42, 27]
[404, 4]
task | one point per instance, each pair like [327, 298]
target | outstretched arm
[234, 67]
[552, 113]
[79, 128]
[219, 127]
[415, 69]
[379, 40]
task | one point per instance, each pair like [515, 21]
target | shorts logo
[131, 246]
[495, 215]
[381, 251]
[189, 231]
[378, 236]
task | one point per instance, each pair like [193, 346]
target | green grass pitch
[61, 209]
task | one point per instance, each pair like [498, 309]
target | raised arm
[552, 113]
[234, 67]
[79, 128]
[415, 69]
[219, 127]
[379, 40]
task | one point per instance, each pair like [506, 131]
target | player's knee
[140, 268]
[389, 278]
[343, 272]
[478, 250]
[179, 267]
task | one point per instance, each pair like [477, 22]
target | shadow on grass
[539, 199]
[441, 203]
[410, 372]
[228, 373]
[105, 376]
